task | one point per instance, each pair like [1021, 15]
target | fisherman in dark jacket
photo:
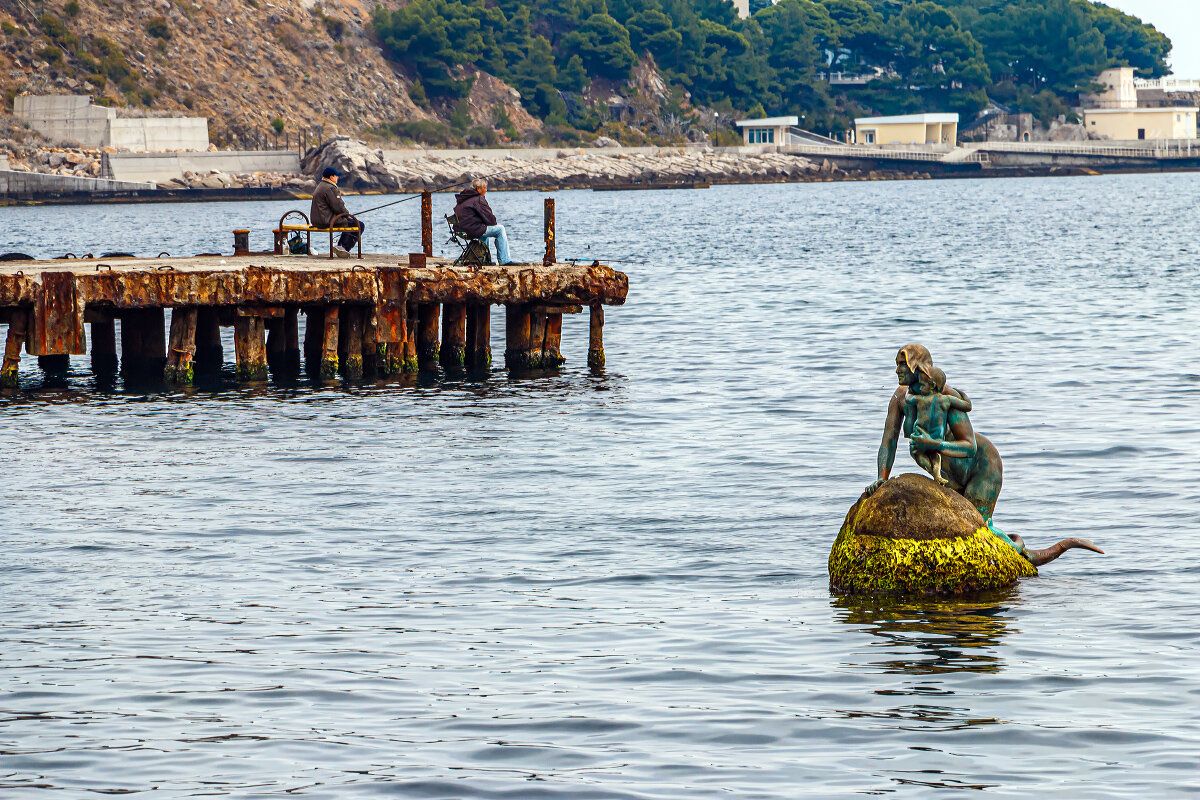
[475, 218]
[326, 204]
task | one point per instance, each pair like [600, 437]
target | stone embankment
[216, 179]
[367, 169]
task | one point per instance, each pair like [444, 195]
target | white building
[769, 130]
[907, 129]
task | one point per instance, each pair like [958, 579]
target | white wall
[12, 182]
[162, 167]
[150, 134]
[73, 119]
[65, 118]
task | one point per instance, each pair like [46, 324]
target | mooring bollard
[241, 242]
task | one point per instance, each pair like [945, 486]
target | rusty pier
[374, 316]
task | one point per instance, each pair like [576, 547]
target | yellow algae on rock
[913, 536]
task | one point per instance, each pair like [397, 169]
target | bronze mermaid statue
[969, 462]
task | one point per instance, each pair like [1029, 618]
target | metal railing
[1173, 148]
[867, 151]
[1168, 84]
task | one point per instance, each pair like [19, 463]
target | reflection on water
[928, 640]
[932, 637]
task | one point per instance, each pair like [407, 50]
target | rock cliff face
[241, 64]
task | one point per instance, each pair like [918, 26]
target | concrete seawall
[162, 167]
[34, 185]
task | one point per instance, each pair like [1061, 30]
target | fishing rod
[439, 189]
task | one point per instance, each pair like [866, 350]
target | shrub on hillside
[159, 28]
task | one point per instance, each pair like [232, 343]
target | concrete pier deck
[371, 315]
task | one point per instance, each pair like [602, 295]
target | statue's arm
[959, 403]
[891, 435]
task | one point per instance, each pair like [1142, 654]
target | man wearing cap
[327, 204]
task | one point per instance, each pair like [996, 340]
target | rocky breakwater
[216, 179]
[367, 169]
[913, 536]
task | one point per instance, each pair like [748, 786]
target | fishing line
[439, 189]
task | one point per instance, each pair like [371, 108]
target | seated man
[475, 218]
[327, 204]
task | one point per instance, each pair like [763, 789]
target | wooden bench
[308, 229]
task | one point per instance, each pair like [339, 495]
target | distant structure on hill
[1116, 114]
[76, 119]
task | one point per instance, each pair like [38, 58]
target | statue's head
[930, 380]
[911, 360]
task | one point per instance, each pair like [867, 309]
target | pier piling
[454, 336]
[143, 344]
[596, 339]
[291, 341]
[329, 346]
[517, 325]
[479, 337]
[18, 328]
[537, 337]
[104, 346]
[411, 321]
[314, 334]
[250, 347]
[352, 363]
[427, 336]
[181, 355]
[55, 365]
[552, 357]
[210, 353]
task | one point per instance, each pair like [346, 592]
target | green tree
[603, 45]
[798, 33]
[652, 31]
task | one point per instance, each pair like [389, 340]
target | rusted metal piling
[375, 316]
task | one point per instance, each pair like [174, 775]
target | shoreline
[247, 194]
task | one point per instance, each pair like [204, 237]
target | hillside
[241, 64]
[484, 72]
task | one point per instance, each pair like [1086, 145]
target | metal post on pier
[548, 214]
[427, 223]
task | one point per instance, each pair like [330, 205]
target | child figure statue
[926, 410]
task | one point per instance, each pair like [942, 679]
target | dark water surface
[615, 586]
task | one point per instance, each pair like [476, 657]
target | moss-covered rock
[913, 536]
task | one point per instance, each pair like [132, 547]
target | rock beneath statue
[913, 536]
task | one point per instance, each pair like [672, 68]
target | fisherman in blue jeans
[475, 218]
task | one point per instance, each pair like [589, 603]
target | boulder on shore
[913, 536]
